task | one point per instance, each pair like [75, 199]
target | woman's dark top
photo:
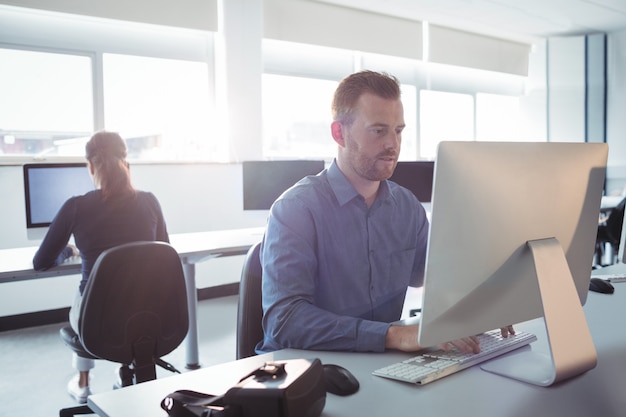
[97, 226]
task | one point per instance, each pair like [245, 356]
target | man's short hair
[354, 85]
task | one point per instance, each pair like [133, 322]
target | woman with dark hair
[113, 214]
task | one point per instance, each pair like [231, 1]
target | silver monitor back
[489, 200]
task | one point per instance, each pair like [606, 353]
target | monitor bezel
[27, 169]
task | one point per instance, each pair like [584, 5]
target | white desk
[617, 269]
[471, 392]
[16, 265]
[197, 247]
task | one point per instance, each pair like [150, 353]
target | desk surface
[472, 392]
[609, 202]
[17, 264]
[615, 269]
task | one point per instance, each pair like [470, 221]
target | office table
[197, 247]
[16, 265]
[471, 392]
[617, 269]
[609, 202]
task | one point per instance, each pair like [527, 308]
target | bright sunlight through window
[162, 106]
[444, 116]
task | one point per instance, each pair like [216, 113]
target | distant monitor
[512, 238]
[621, 251]
[417, 176]
[48, 185]
[265, 181]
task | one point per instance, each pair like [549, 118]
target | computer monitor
[417, 176]
[48, 185]
[512, 238]
[621, 250]
[265, 181]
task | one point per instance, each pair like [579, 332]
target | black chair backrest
[135, 299]
[250, 309]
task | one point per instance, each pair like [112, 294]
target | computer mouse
[339, 381]
[601, 285]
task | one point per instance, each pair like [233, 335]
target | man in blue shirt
[342, 247]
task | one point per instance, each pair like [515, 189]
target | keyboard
[436, 364]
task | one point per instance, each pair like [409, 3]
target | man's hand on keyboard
[471, 344]
[467, 345]
[404, 338]
[507, 331]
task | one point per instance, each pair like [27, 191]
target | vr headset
[291, 388]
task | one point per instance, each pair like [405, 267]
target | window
[63, 76]
[156, 85]
[408, 151]
[297, 117]
[161, 107]
[444, 116]
[46, 101]
[497, 117]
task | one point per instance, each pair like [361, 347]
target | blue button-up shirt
[335, 272]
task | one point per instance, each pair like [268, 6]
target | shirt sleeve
[53, 249]
[161, 228]
[291, 317]
[422, 244]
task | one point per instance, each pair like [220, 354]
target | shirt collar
[344, 191]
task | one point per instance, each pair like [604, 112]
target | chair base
[75, 411]
[71, 339]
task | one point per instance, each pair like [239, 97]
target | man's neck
[366, 188]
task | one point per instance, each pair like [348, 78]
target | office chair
[610, 232]
[249, 308]
[134, 311]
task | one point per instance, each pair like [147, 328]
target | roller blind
[341, 27]
[190, 14]
[455, 47]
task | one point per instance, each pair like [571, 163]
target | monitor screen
[491, 201]
[48, 185]
[417, 176]
[265, 181]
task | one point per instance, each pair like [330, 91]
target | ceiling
[521, 20]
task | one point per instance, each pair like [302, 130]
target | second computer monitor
[48, 185]
[417, 176]
[265, 181]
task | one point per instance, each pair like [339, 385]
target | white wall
[566, 89]
[194, 197]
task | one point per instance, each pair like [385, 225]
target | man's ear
[336, 128]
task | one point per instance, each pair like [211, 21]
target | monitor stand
[571, 348]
